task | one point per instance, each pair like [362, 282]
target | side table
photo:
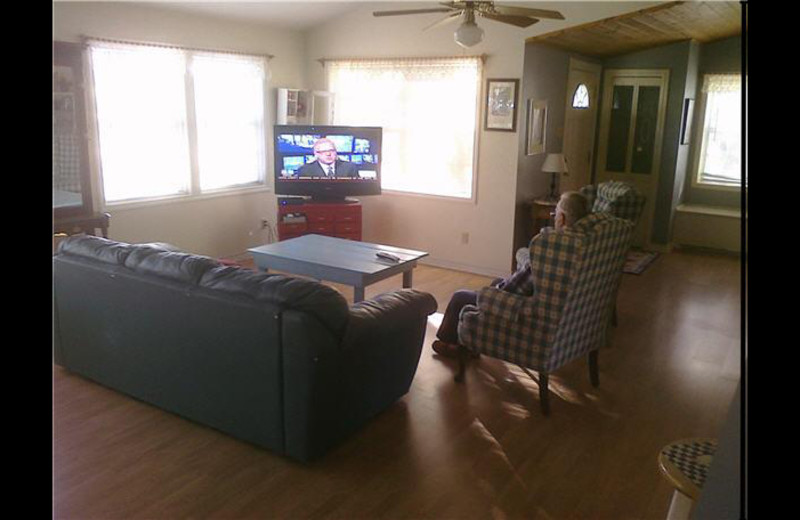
[542, 213]
[83, 224]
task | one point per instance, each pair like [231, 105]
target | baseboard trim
[456, 266]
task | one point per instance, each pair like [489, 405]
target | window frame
[476, 134]
[194, 192]
[697, 144]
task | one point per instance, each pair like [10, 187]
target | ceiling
[296, 15]
[666, 23]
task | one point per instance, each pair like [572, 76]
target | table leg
[407, 278]
[358, 294]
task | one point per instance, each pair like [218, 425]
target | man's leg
[448, 330]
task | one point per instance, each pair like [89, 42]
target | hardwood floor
[481, 449]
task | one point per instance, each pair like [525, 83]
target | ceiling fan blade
[412, 11]
[527, 11]
[519, 21]
[449, 18]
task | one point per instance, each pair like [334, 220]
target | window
[428, 110]
[719, 157]
[581, 97]
[175, 122]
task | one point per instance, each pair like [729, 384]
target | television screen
[327, 162]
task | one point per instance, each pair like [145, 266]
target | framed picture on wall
[501, 104]
[537, 127]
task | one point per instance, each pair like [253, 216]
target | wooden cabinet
[334, 219]
[73, 211]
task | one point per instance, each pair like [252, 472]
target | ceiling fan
[468, 33]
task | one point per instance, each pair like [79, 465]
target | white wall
[217, 226]
[436, 224]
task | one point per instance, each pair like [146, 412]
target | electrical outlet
[465, 238]
[264, 224]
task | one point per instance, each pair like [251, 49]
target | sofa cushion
[324, 302]
[101, 249]
[181, 267]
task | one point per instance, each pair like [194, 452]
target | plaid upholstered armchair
[618, 198]
[575, 276]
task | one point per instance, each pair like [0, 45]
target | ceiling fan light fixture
[468, 33]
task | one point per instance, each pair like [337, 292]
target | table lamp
[554, 163]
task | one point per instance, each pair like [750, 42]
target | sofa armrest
[374, 319]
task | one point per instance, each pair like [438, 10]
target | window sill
[714, 187]
[416, 194]
[715, 211]
[174, 199]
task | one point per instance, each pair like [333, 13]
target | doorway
[631, 135]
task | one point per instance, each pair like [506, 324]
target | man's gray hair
[574, 206]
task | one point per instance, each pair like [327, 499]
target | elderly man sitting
[571, 207]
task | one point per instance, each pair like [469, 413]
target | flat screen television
[355, 152]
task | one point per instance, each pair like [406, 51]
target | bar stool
[685, 464]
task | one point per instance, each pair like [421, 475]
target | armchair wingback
[575, 275]
[618, 198]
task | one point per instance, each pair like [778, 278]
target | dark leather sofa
[274, 360]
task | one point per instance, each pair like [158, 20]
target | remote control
[387, 256]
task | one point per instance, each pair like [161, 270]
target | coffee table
[337, 260]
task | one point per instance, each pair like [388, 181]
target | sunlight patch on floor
[435, 319]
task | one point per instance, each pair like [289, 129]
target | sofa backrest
[162, 262]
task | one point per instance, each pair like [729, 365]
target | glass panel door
[644, 139]
[619, 128]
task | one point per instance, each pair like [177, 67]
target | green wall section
[687, 61]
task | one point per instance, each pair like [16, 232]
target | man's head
[325, 151]
[571, 207]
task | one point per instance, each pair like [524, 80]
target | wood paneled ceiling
[659, 25]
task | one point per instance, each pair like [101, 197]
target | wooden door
[631, 134]
[583, 86]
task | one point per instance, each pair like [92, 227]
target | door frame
[638, 77]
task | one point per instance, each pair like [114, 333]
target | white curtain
[161, 109]
[428, 110]
[722, 83]
[141, 117]
[720, 161]
[229, 110]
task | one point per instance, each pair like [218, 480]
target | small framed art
[501, 104]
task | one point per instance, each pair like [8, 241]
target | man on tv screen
[326, 163]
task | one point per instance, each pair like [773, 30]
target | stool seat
[685, 464]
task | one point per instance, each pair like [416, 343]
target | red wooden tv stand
[330, 218]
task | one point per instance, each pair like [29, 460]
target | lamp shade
[555, 163]
[468, 33]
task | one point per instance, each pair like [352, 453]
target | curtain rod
[323, 61]
[86, 39]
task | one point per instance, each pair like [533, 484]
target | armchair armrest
[504, 305]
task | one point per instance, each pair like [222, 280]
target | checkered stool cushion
[685, 463]
[575, 274]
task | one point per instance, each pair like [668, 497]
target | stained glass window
[581, 97]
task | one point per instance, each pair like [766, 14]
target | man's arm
[521, 282]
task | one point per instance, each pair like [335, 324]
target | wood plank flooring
[481, 449]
